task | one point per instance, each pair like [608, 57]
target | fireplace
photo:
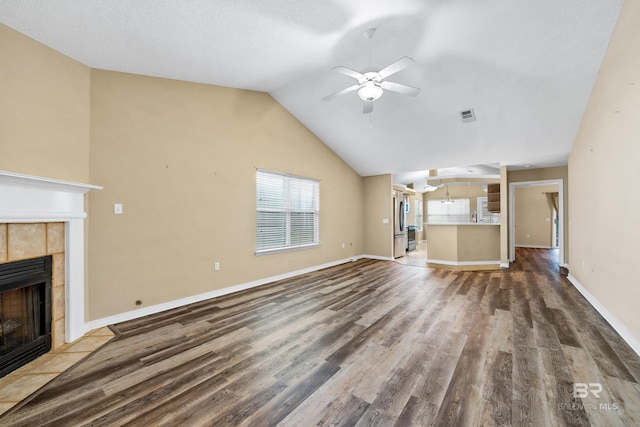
[25, 311]
[32, 206]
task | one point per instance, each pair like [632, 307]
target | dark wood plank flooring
[360, 344]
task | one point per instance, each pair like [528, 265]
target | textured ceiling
[526, 68]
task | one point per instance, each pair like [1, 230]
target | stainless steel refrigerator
[399, 225]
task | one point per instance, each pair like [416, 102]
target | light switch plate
[117, 208]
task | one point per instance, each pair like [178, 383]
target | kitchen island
[464, 244]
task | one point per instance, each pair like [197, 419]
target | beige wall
[181, 158]
[463, 243]
[603, 176]
[533, 216]
[378, 205]
[442, 242]
[44, 110]
[478, 243]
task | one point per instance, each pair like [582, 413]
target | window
[287, 212]
[417, 213]
[442, 213]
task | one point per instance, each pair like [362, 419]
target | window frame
[289, 210]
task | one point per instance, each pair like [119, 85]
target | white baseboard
[134, 314]
[381, 258]
[534, 246]
[462, 263]
[615, 323]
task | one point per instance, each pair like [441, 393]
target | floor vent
[468, 116]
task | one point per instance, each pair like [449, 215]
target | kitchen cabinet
[493, 198]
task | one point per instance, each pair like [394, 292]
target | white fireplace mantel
[25, 198]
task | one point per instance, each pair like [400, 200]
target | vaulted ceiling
[525, 68]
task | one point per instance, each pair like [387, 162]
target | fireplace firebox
[25, 312]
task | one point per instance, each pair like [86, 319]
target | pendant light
[447, 198]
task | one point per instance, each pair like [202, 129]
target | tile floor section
[21, 383]
[417, 257]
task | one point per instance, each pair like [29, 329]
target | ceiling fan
[371, 82]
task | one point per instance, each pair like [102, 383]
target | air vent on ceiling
[468, 116]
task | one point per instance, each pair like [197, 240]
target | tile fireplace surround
[41, 216]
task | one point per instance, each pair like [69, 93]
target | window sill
[287, 249]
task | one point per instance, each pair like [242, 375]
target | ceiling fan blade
[399, 65]
[367, 108]
[341, 92]
[398, 88]
[348, 72]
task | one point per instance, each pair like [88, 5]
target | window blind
[441, 213]
[287, 211]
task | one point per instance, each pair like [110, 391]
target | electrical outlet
[216, 266]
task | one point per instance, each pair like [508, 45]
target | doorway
[536, 216]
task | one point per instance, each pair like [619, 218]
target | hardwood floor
[365, 343]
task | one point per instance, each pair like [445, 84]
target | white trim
[462, 263]
[134, 314]
[7, 215]
[533, 246]
[504, 265]
[512, 232]
[31, 181]
[263, 252]
[615, 323]
[74, 326]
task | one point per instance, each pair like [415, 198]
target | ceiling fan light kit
[370, 91]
